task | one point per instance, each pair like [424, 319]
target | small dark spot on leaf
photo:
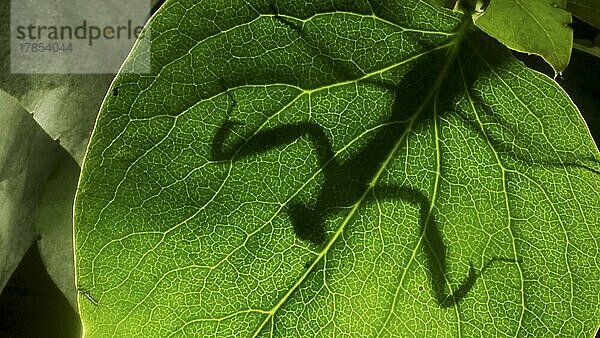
[421, 288]
[115, 91]
[87, 295]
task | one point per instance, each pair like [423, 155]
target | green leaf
[334, 168]
[531, 26]
[443, 3]
[586, 10]
[27, 155]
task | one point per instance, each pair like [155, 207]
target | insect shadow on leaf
[479, 58]
[352, 181]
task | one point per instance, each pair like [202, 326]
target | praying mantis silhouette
[345, 182]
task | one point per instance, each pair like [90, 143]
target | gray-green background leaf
[27, 155]
[65, 105]
[54, 224]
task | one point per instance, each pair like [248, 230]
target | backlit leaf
[531, 26]
[335, 168]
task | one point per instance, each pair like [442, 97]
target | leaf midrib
[260, 128]
[413, 58]
[432, 95]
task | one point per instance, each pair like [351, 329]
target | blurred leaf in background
[586, 10]
[531, 26]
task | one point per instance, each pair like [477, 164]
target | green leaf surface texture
[335, 168]
[531, 26]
